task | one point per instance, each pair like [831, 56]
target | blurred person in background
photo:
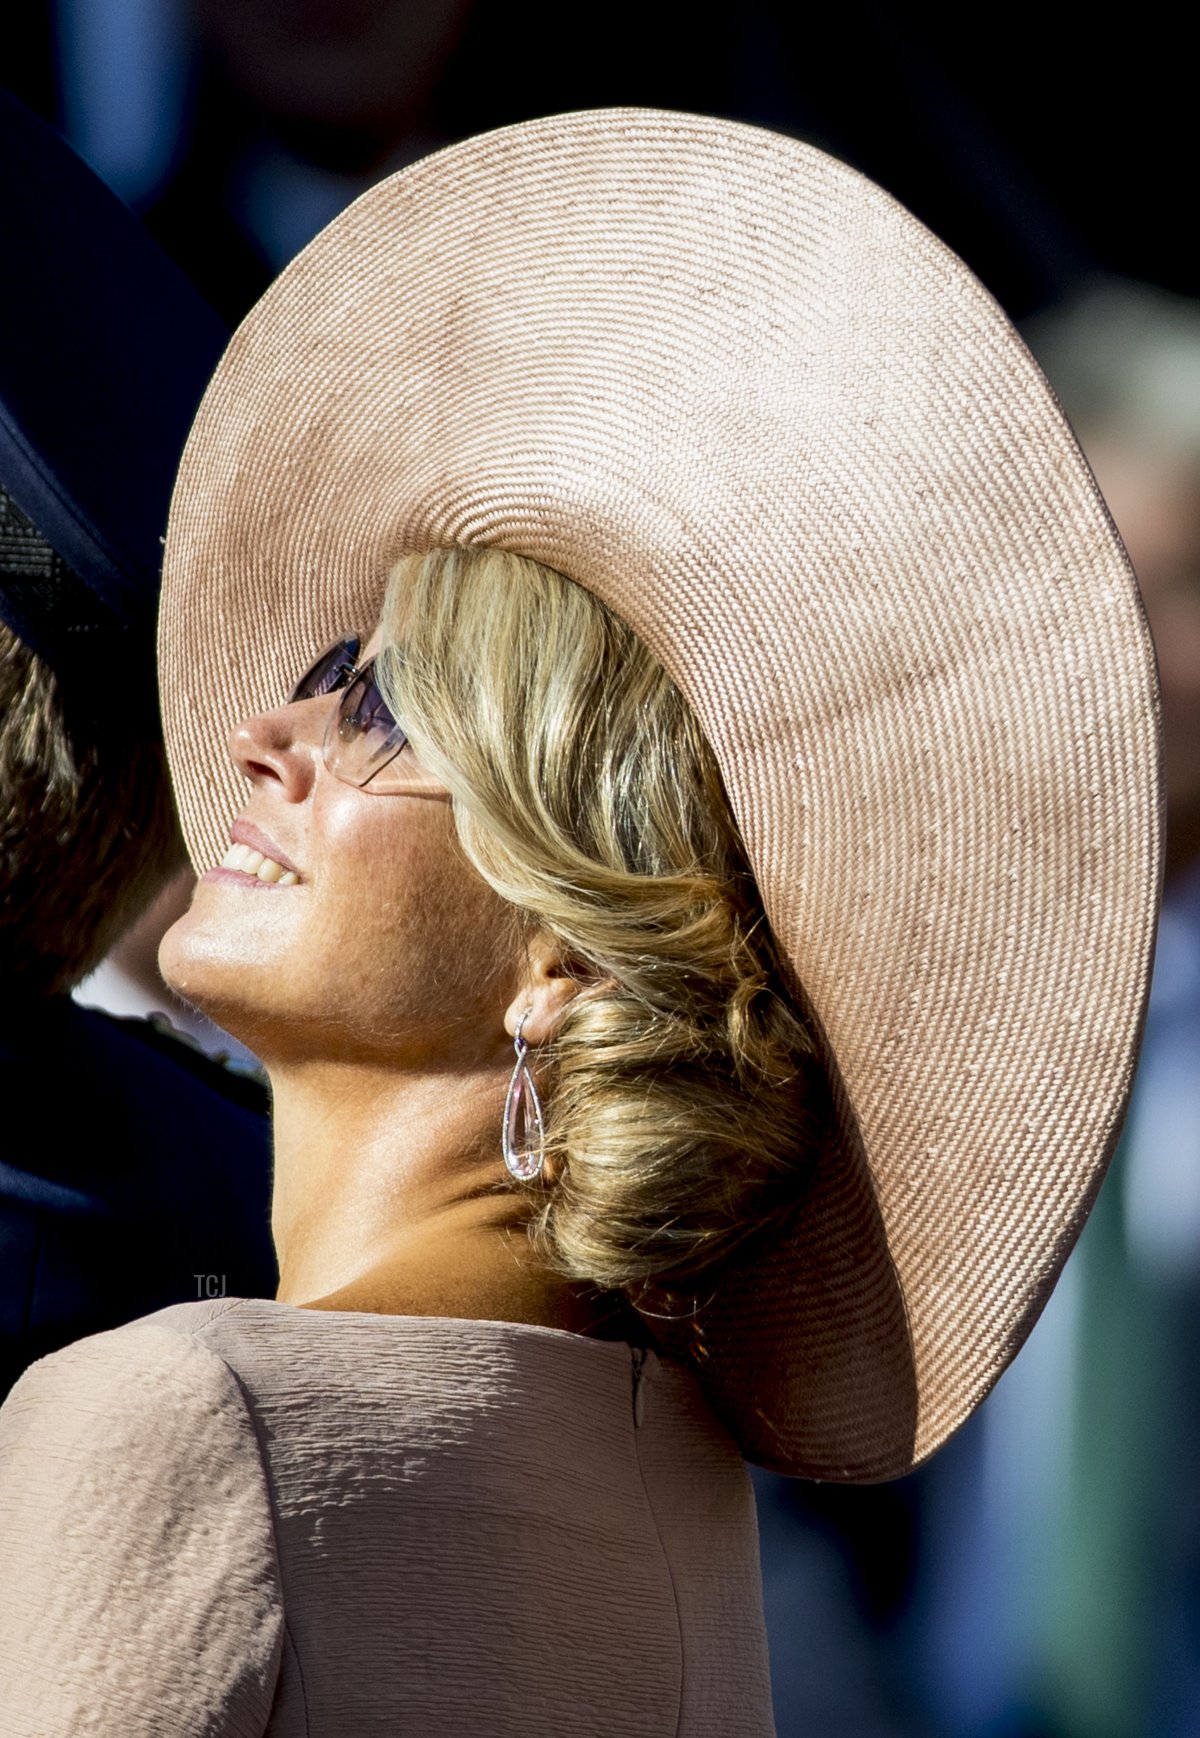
[238, 128]
[1059, 1587]
[298, 109]
[133, 1169]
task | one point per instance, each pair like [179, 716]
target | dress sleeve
[139, 1584]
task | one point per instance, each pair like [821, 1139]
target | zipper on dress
[639, 1386]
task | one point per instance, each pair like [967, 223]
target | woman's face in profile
[387, 943]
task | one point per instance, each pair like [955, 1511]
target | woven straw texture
[739, 392]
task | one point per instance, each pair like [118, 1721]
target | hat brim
[741, 394]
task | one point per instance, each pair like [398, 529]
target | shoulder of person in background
[243, 1082]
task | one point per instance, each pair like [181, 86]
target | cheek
[430, 937]
[395, 942]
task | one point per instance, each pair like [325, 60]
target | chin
[224, 967]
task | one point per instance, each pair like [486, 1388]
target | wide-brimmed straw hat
[742, 395]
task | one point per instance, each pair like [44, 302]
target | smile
[245, 861]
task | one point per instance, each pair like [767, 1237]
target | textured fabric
[245, 1517]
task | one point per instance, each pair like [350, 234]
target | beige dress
[243, 1517]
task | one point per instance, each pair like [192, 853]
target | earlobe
[540, 1005]
[549, 985]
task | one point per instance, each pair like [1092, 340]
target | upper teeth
[249, 862]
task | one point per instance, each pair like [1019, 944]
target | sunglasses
[362, 739]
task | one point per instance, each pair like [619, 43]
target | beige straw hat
[737, 391]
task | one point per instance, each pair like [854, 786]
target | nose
[282, 745]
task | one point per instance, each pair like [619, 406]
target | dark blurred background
[1038, 142]
[1041, 1577]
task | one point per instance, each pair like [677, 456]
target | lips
[246, 833]
[254, 861]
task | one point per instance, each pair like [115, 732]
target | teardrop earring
[523, 1134]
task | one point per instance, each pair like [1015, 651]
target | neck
[390, 1195]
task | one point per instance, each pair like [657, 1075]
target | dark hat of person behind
[105, 350]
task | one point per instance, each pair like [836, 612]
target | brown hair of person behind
[683, 1090]
[87, 828]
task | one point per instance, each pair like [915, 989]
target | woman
[698, 942]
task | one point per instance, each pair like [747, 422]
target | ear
[549, 983]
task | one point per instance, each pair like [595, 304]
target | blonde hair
[683, 1083]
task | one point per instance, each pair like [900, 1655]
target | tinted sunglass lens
[365, 737]
[329, 671]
